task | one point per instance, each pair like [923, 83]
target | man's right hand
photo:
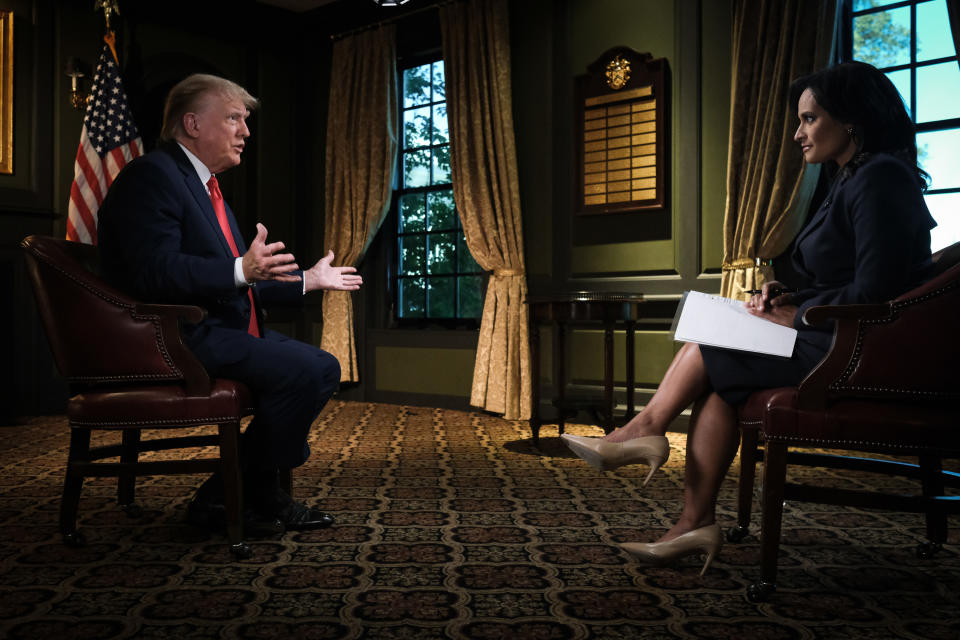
[262, 262]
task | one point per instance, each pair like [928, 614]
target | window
[436, 277]
[911, 42]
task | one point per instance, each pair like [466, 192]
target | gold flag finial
[109, 8]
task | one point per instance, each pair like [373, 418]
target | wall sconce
[76, 69]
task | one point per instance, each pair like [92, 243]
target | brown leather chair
[129, 370]
[889, 385]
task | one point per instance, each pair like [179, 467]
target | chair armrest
[818, 315]
[906, 349]
[189, 313]
[196, 380]
[813, 391]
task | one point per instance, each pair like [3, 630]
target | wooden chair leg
[233, 487]
[931, 478]
[748, 472]
[72, 486]
[774, 478]
[126, 483]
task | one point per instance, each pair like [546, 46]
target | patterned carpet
[449, 525]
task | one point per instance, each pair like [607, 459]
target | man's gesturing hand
[324, 276]
[262, 262]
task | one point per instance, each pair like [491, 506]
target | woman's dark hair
[860, 94]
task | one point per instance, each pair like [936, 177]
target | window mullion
[913, 62]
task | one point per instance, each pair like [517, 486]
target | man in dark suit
[167, 236]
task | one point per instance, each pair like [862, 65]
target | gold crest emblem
[618, 72]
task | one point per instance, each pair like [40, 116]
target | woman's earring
[850, 131]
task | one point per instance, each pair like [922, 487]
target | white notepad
[721, 322]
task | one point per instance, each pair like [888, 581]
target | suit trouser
[291, 382]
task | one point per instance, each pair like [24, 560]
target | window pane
[441, 134]
[859, 5]
[442, 211]
[938, 92]
[413, 255]
[416, 86]
[412, 298]
[440, 297]
[441, 253]
[413, 213]
[945, 209]
[467, 263]
[416, 168]
[441, 165]
[901, 80]
[939, 155]
[439, 82]
[933, 31]
[416, 128]
[882, 39]
[471, 306]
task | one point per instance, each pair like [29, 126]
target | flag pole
[109, 7]
[109, 139]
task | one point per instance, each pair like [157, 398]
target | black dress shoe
[212, 516]
[296, 516]
[273, 502]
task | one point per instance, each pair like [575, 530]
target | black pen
[773, 293]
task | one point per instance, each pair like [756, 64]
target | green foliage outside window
[436, 275]
[910, 41]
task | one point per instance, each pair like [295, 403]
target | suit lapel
[200, 196]
[819, 216]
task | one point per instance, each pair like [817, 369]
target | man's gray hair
[187, 95]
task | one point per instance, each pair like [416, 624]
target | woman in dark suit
[868, 243]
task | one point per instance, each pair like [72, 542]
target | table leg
[631, 375]
[535, 420]
[608, 375]
[560, 373]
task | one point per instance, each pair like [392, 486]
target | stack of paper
[721, 322]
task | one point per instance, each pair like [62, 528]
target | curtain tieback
[746, 263]
[500, 273]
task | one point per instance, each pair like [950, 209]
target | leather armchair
[890, 384]
[128, 371]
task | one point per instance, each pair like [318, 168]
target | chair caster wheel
[736, 534]
[132, 510]
[74, 539]
[241, 550]
[760, 591]
[926, 550]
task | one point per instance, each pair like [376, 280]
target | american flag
[109, 140]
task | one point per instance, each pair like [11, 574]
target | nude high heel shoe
[706, 540]
[603, 455]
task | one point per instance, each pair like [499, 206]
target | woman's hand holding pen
[772, 302]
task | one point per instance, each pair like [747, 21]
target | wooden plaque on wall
[622, 105]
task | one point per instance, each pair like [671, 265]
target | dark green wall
[656, 254]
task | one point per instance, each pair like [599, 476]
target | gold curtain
[361, 156]
[768, 189]
[476, 52]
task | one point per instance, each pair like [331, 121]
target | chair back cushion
[94, 330]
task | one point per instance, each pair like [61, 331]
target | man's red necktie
[217, 199]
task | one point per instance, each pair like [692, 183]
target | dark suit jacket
[160, 242]
[869, 241]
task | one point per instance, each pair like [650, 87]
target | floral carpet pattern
[450, 524]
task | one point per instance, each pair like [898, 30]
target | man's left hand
[324, 276]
